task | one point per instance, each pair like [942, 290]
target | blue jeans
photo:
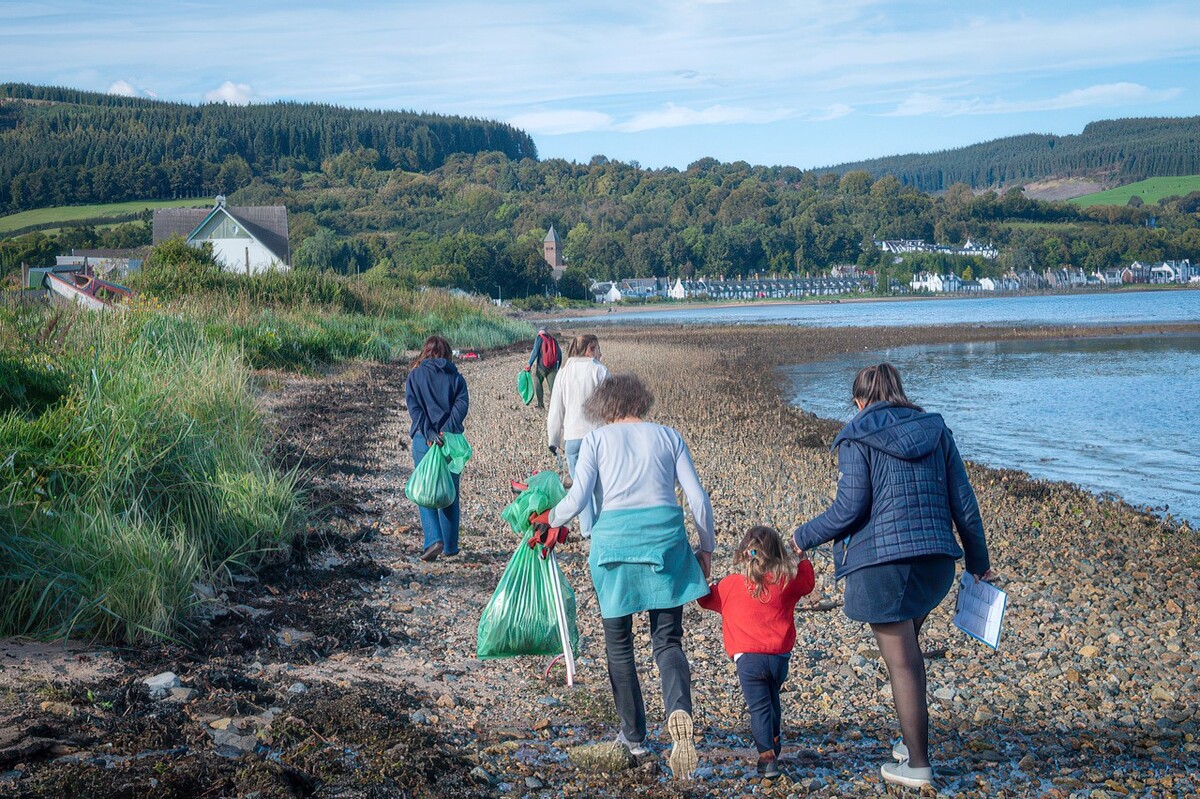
[439, 524]
[761, 677]
[588, 515]
[666, 642]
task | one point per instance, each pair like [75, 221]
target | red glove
[544, 535]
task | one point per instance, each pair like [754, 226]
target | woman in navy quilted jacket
[902, 491]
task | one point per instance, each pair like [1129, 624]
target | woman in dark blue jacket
[437, 400]
[902, 491]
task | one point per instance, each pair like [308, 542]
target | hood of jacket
[438, 365]
[895, 430]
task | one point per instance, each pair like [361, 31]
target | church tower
[552, 252]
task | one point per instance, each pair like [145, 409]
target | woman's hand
[987, 577]
[705, 561]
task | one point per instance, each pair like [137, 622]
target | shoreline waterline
[771, 349]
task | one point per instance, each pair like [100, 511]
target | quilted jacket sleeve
[964, 508]
[851, 507]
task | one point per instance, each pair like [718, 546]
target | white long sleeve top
[630, 465]
[576, 381]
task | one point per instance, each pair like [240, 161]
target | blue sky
[660, 83]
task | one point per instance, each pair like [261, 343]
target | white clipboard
[979, 610]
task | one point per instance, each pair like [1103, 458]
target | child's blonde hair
[762, 558]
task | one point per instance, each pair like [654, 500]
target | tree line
[1123, 149]
[67, 147]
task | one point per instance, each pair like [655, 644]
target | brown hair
[881, 384]
[580, 345]
[435, 347]
[763, 559]
[618, 397]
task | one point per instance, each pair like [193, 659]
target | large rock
[161, 684]
[605, 758]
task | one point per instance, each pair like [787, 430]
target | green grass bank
[135, 461]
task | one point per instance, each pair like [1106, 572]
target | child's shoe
[768, 766]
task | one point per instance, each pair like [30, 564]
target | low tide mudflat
[350, 670]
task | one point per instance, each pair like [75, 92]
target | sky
[662, 84]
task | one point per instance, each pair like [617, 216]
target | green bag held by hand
[431, 484]
[543, 491]
[525, 386]
[458, 450]
[520, 618]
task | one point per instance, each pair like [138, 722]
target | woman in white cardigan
[566, 423]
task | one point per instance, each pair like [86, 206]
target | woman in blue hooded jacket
[436, 395]
[902, 491]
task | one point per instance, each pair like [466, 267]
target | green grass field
[73, 213]
[1151, 191]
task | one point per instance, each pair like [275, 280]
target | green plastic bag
[458, 450]
[525, 386]
[544, 491]
[520, 618]
[431, 484]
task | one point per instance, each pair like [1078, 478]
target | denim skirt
[899, 590]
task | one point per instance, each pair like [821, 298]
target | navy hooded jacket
[902, 489]
[437, 400]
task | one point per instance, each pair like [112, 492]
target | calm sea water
[1080, 309]
[1114, 415]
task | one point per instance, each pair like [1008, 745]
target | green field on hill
[1151, 191]
[64, 215]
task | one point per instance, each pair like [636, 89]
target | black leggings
[906, 667]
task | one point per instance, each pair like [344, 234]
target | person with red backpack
[547, 355]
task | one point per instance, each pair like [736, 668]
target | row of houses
[648, 288]
[1164, 272]
[902, 246]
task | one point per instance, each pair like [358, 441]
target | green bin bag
[431, 484]
[519, 619]
[458, 450]
[525, 386]
[544, 491]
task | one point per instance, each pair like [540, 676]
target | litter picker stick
[561, 611]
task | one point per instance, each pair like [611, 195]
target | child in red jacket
[757, 607]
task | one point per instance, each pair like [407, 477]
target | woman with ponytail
[902, 492]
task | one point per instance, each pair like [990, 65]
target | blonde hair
[764, 560]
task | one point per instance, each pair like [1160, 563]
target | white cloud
[231, 93]
[123, 88]
[557, 123]
[678, 116]
[1108, 94]
[835, 111]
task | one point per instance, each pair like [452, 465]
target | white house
[677, 291]
[247, 239]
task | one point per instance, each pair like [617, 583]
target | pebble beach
[1092, 691]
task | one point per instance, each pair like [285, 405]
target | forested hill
[1123, 150]
[67, 147]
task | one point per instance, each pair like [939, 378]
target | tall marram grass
[150, 472]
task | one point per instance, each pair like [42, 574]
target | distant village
[851, 279]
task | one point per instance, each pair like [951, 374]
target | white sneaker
[636, 749]
[682, 759]
[906, 775]
[899, 751]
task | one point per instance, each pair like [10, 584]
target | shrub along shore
[135, 459]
